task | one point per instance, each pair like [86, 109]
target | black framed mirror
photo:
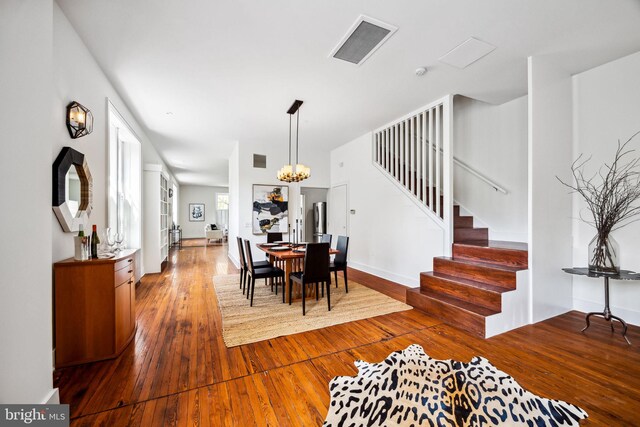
[72, 189]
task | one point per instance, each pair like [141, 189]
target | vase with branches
[611, 194]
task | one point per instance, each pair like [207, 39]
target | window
[174, 205]
[125, 180]
[222, 201]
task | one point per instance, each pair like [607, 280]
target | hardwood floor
[178, 371]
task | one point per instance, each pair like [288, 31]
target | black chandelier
[301, 172]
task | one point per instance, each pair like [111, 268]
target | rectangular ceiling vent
[362, 39]
[260, 161]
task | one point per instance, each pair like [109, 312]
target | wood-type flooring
[179, 372]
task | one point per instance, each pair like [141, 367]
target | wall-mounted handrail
[477, 174]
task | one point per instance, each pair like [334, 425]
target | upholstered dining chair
[274, 237]
[316, 270]
[340, 261]
[326, 238]
[243, 264]
[256, 272]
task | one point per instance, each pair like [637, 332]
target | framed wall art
[270, 209]
[196, 212]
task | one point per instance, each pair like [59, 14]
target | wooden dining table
[291, 259]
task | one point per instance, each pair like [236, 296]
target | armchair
[212, 232]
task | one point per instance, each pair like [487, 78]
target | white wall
[390, 236]
[550, 155]
[607, 109]
[242, 175]
[78, 77]
[25, 257]
[492, 139]
[198, 194]
[234, 203]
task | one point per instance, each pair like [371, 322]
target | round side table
[606, 313]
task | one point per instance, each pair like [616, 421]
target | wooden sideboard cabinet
[95, 307]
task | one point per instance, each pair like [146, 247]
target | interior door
[338, 210]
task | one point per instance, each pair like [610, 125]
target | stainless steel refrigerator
[319, 220]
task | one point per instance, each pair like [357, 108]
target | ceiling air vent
[362, 39]
[259, 161]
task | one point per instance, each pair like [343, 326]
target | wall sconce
[79, 120]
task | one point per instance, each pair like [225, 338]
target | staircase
[482, 287]
[463, 230]
[468, 289]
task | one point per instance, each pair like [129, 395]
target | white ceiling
[228, 70]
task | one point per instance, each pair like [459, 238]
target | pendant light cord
[297, 131]
[289, 138]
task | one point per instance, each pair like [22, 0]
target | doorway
[311, 226]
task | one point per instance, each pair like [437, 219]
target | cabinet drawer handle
[129, 260]
[130, 282]
[130, 271]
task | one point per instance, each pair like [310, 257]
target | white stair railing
[415, 153]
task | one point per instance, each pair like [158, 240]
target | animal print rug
[410, 388]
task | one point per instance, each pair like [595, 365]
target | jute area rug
[270, 318]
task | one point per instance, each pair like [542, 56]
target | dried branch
[612, 196]
[612, 193]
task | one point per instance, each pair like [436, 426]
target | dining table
[290, 259]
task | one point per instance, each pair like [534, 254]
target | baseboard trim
[630, 316]
[397, 278]
[53, 397]
[234, 260]
[377, 283]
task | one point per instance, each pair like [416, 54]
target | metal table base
[606, 314]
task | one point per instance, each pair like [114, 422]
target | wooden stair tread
[467, 282]
[511, 254]
[488, 265]
[458, 304]
[496, 244]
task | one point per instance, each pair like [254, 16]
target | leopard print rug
[409, 388]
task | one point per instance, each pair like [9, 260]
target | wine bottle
[95, 240]
[80, 230]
